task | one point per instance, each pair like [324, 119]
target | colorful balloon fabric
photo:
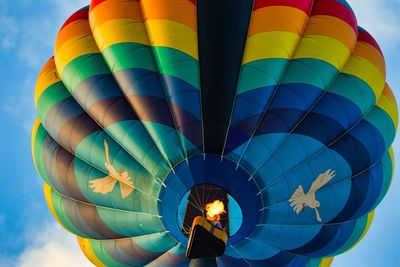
[282, 103]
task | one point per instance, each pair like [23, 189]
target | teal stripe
[261, 73]
[92, 149]
[355, 236]
[383, 123]
[156, 243]
[129, 223]
[137, 201]
[102, 255]
[145, 151]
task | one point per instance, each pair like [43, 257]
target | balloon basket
[205, 240]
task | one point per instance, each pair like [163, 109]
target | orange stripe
[49, 65]
[369, 52]
[181, 11]
[115, 9]
[277, 18]
[47, 77]
[332, 27]
[387, 91]
[80, 27]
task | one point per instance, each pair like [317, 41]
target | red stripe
[335, 9]
[303, 5]
[94, 3]
[79, 15]
[364, 36]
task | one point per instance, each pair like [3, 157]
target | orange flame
[214, 210]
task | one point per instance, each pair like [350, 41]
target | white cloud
[52, 246]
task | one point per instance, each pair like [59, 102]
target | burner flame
[215, 210]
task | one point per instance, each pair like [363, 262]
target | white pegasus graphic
[106, 185]
[299, 200]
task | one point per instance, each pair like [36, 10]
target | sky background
[30, 236]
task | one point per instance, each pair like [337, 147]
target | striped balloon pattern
[282, 103]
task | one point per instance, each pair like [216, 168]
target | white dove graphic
[106, 185]
[299, 200]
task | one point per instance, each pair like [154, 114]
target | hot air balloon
[152, 109]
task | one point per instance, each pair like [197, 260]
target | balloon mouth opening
[243, 203]
[213, 203]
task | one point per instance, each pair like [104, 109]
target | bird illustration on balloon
[106, 185]
[299, 200]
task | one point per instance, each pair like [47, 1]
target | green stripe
[58, 205]
[40, 138]
[175, 63]
[102, 255]
[129, 56]
[82, 68]
[50, 97]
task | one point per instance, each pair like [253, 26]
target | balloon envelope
[282, 104]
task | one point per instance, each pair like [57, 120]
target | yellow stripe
[392, 159]
[174, 35]
[270, 45]
[332, 27]
[391, 154]
[47, 194]
[49, 200]
[120, 31]
[326, 262]
[35, 128]
[390, 107]
[72, 30]
[88, 251]
[368, 72]
[46, 79]
[74, 48]
[369, 52]
[323, 48]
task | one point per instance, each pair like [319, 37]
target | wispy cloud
[52, 246]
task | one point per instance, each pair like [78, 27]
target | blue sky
[29, 236]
